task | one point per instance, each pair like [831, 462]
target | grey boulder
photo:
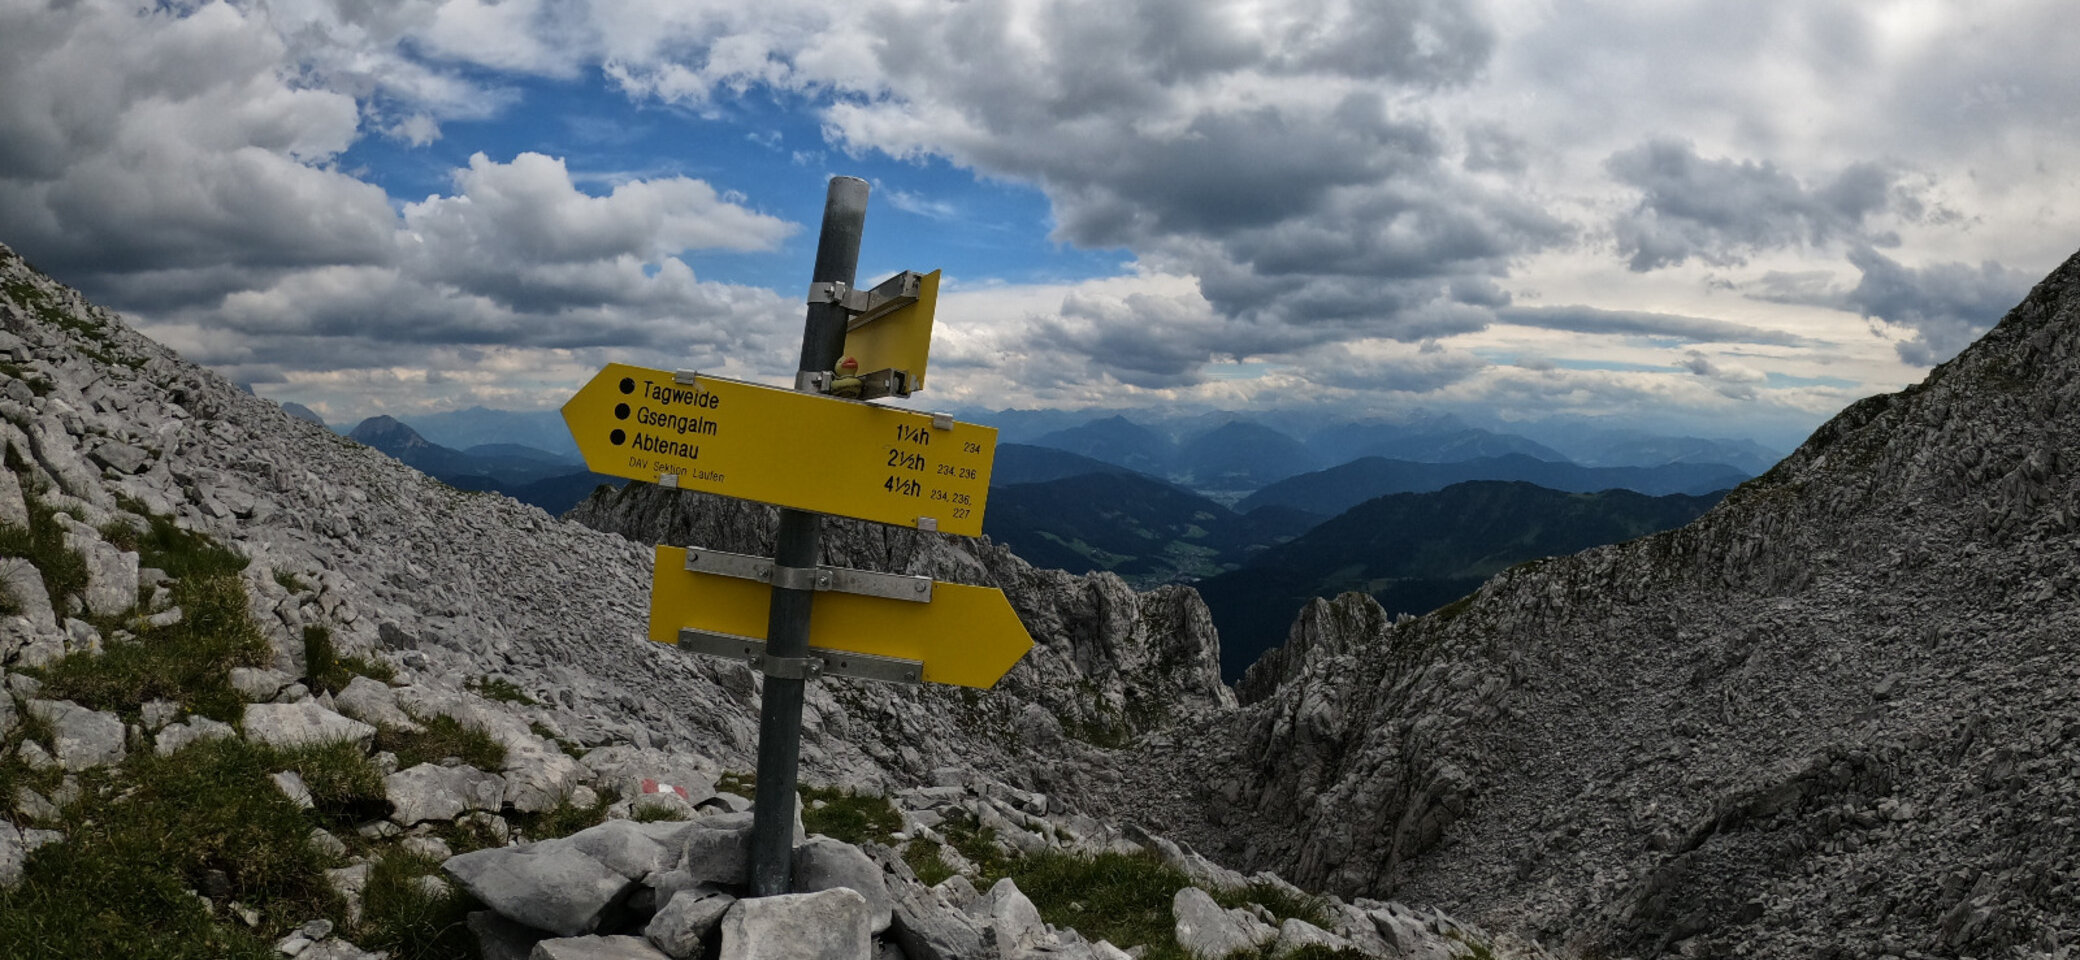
[371, 701]
[687, 920]
[596, 948]
[1206, 931]
[822, 863]
[718, 850]
[551, 885]
[831, 925]
[624, 847]
[192, 730]
[929, 927]
[81, 738]
[430, 791]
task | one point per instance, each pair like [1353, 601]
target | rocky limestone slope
[478, 585]
[501, 694]
[1837, 716]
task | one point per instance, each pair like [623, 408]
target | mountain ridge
[1823, 719]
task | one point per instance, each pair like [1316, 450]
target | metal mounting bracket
[819, 661]
[890, 295]
[888, 586]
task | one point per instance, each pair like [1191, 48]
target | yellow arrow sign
[967, 636]
[785, 447]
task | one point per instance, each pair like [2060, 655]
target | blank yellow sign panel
[901, 340]
[966, 636]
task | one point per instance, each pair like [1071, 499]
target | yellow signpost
[966, 636]
[899, 339]
[785, 447]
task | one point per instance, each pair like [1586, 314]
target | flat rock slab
[597, 948]
[625, 848]
[370, 700]
[300, 724]
[831, 925]
[192, 730]
[430, 791]
[551, 885]
[82, 738]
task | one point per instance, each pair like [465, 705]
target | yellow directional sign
[785, 447]
[900, 339]
[967, 636]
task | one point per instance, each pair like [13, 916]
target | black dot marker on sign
[621, 411]
[628, 385]
[617, 437]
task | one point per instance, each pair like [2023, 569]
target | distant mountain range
[1141, 528]
[1414, 552]
[527, 474]
[1229, 455]
[1332, 491]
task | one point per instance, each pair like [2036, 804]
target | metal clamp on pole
[840, 293]
[791, 668]
[889, 586]
[797, 578]
[819, 662]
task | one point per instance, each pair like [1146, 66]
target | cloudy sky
[1727, 218]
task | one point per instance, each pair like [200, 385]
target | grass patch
[183, 554]
[42, 543]
[925, 860]
[977, 843]
[37, 385]
[118, 884]
[1282, 903]
[411, 921]
[119, 534]
[570, 749]
[1123, 898]
[442, 738]
[848, 816]
[742, 784]
[345, 785]
[566, 818]
[288, 581]
[499, 689]
[327, 670]
[657, 813]
[188, 662]
[14, 772]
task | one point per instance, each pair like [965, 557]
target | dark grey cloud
[1582, 319]
[1946, 305]
[1274, 151]
[1722, 210]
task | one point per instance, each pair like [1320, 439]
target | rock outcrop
[1835, 716]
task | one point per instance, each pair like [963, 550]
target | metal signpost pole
[795, 560]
